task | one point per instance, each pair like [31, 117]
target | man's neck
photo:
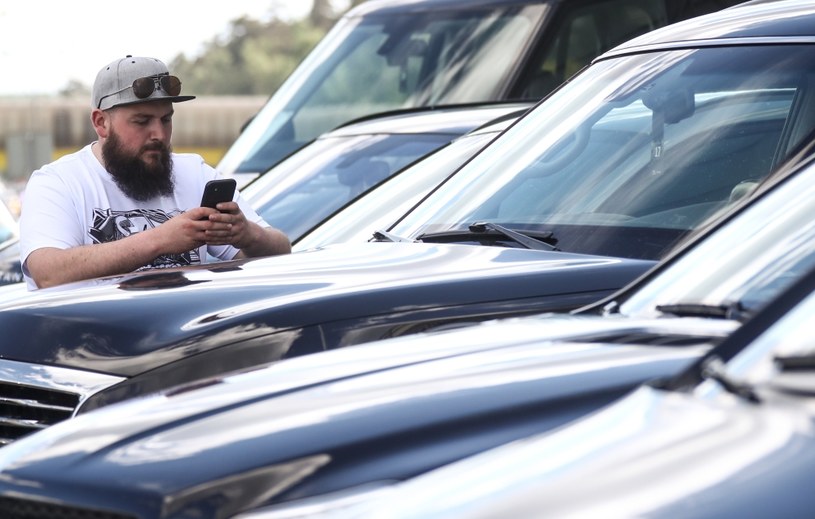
[96, 149]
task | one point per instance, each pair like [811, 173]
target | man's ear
[101, 123]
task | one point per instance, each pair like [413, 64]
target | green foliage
[254, 59]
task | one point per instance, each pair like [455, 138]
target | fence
[35, 129]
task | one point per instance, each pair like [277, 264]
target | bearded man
[126, 201]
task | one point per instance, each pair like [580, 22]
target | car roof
[449, 119]
[776, 21]
[386, 7]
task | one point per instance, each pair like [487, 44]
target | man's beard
[136, 178]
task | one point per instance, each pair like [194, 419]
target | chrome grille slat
[26, 409]
[34, 403]
[34, 396]
[34, 424]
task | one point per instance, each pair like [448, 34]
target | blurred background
[231, 55]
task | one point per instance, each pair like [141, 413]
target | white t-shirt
[74, 201]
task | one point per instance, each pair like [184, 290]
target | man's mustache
[154, 147]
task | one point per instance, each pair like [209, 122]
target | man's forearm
[50, 266]
[266, 241]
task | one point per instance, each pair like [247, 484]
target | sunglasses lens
[143, 87]
[171, 85]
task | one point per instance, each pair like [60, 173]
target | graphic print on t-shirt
[111, 225]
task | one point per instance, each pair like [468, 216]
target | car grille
[27, 409]
[12, 508]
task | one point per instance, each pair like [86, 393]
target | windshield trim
[746, 41]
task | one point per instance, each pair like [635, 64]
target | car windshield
[384, 204]
[757, 255]
[635, 153]
[316, 181]
[783, 356]
[377, 63]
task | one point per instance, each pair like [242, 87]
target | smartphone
[219, 190]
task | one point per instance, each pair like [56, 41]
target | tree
[255, 58]
[75, 88]
[322, 14]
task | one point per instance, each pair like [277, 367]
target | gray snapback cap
[113, 85]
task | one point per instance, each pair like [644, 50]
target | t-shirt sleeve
[49, 217]
[249, 212]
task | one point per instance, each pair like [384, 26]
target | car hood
[154, 318]
[652, 454]
[271, 428]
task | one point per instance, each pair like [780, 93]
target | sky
[46, 43]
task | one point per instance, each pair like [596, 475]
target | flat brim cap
[113, 82]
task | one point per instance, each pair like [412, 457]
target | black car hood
[105, 325]
[267, 430]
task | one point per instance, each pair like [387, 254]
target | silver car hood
[652, 454]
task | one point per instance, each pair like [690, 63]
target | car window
[378, 63]
[583, 32]
[382, 205]
[313, 183]
[640, 151]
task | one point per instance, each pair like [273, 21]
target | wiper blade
[714, 369]
[795, 375]
[521, 239]
[795, 362]
[734, 311]
[387, 236]
[540, 241]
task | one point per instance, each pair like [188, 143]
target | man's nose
[159, 130]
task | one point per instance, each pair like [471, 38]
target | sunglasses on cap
[143, 87]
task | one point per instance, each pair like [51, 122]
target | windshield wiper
[734, 310]
[387, 236]
[794, 374]
[538, 242]
[521, 239]
[714, 369]
[795, 362]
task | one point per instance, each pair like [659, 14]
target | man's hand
[229, 226]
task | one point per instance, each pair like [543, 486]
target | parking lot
[547, 259]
